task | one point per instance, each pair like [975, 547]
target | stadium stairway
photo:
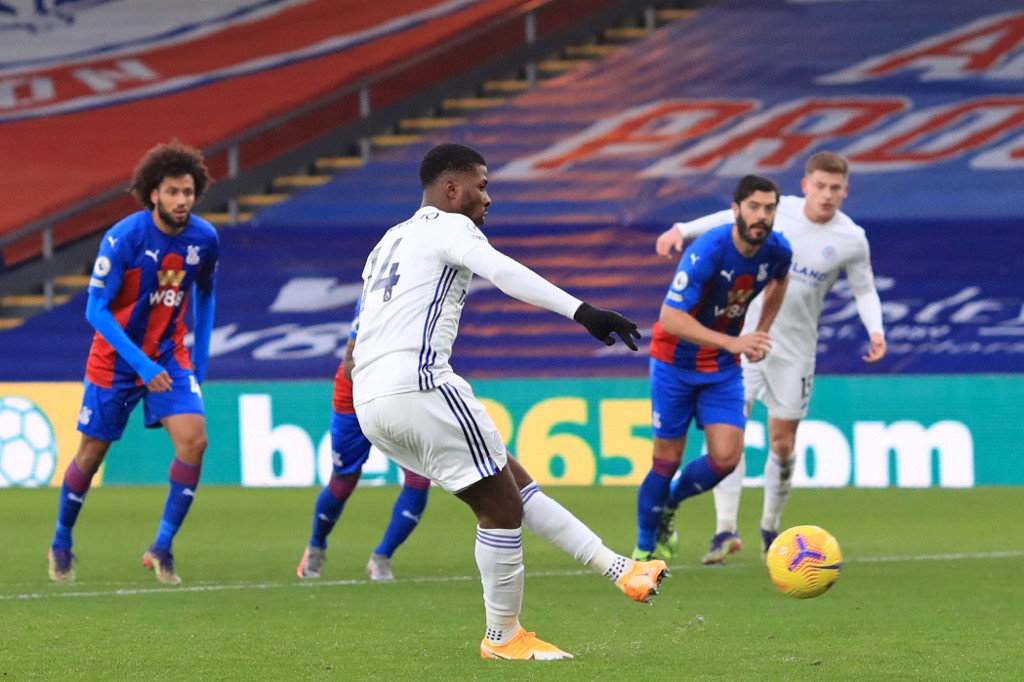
[452, 111]
[14, 310]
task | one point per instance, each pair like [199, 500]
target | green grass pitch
[931, 589]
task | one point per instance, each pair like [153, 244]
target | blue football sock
[329, 505]
[184, 479]
[404, 517]
[72, 497]
[67, 513]
[650, 500]
[699, 476]
[325, 514]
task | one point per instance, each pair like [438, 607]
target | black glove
[601, 323]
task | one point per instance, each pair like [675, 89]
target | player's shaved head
[449, 157]
[170, 160]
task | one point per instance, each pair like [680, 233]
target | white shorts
[443, 434]
[784, 385]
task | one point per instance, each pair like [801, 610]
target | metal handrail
[225, 191]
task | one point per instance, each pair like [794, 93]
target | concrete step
[674, 14]
[11, 322]
[430, 123]
[223, 219]
[592, 50]
[625, 33]
[472, 103]
[300, 181]
[550, 66]
[506, 86]
[390, 141]
[334, 163]
[261, 200]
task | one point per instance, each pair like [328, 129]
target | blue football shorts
[349, 447]
[105, 411]
[679, 395]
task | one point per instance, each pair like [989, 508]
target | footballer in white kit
[412, 405]
[415, 285]
[826, 243]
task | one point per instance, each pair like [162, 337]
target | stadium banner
[909, 432]
[120, 72]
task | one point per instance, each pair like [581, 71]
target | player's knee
[727, 460]
[783, 447]
[191, 449]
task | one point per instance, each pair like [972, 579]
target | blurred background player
[412, 405]
[350, 449]
[696, 349]
[825, 243]
[148, 264]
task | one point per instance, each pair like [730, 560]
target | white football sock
[547, 519]
[727, 498]
[499, 556]
[778, 480]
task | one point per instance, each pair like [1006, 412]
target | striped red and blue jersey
[342, 384]
[715, 283]
[147, 276]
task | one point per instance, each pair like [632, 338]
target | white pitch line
[219, 587]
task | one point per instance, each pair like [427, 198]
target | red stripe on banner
[53, 162]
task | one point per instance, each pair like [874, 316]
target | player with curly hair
[150, 266]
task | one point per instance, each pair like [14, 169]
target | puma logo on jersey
[153, 255]
[727, 274]
[694, 258]
[113, 241]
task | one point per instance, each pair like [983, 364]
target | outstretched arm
[672, 239]
[518, 281]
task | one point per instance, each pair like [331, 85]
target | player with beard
[150, 265]
[826, 243]
[696, 348]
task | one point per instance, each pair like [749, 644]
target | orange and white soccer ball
[804, 561]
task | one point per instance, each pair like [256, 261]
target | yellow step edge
[560, 65]
[626, 33]
[301, 180]
[37, 300]
[431, 123]
[11, 322]
[72, 280]
[672, 14]
[225, 218]
[339, 162]
[591, 50]
[473, 102]
[508, 85]
[261, 199]
[394, 140]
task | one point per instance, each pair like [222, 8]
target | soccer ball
[804, 561]
[28, 446]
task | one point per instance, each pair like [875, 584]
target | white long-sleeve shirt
[821, 251]
[415, 283]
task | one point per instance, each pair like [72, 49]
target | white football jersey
[821, 251]
[414, 288]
